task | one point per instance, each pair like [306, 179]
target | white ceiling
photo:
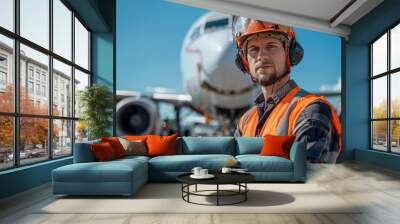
[319, 15]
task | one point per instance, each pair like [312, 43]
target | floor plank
[377, 189]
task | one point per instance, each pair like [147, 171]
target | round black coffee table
[238, 179]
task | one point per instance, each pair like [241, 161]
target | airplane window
[216, 24]
[195, 34]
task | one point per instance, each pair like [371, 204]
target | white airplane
[213, 85]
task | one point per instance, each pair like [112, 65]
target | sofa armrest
[299, 158]
[83, 153]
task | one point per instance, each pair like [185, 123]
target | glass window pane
[6, 142]
[62, 138]
[35, 21]
[62, 29]
[34, 80]
[379, 135]
[81, 131]
[379, 55]
[81, 81]
[379, 98]
[395, 47]
[33, 139]
[395, 136]
[81, 45]
[62, 89]
[6, 74]
[7, 14]
[395, 95]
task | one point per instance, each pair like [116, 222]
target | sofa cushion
[277, 145]
[249, 145]
[257, 163]
[116, 145]
[185, 163]
[134, 147]
[103, 151]
[111, 171]
[136, 137]
[132, 158]
[161, 145]
[206, 145]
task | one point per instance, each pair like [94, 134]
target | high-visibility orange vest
[283, 117]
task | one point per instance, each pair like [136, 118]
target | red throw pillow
[103, 151]
[116, 145]
[277, 145]
[161, 145]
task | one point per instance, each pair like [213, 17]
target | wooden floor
[378, 188]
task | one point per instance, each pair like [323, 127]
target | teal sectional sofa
[125, 176]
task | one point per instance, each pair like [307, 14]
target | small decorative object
[226, 170]
[231, 163]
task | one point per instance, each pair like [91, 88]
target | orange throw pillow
[161, 145]
[277, 145]
[103, 151]
[116, 145]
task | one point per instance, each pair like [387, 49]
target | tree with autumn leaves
[33, 131]
[380, 127]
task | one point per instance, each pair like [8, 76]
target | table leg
[196, 188]
[188, 192]
[182, 188]
[217, 194]
[245, 191]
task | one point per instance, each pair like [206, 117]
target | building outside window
[3, 61]
[38, 89]
[43, 90]
[37, 75]
[30, 72]
[44, 77]
[3, 72]
[3, 78]
[57, 140]
[30, 87]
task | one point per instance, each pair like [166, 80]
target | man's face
[267, 59]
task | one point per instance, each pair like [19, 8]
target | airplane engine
[136, 116]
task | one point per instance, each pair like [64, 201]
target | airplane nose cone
[220, 70]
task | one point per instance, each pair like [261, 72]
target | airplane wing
[176, 99]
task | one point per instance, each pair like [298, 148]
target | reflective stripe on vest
[282, 120]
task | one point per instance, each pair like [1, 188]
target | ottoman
[119, 177]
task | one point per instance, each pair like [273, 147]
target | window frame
[388, 74]
[16, 114]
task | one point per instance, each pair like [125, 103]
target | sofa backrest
[190, 146]
[249, 145]
[206, 145]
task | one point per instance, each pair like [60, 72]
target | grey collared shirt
[313, 126]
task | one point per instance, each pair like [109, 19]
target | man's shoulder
[316, 103]
[318, 107]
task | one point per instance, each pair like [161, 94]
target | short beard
[272, 79]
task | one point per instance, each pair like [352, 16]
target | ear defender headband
[296, 53]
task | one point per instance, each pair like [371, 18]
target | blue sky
[150, 36]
